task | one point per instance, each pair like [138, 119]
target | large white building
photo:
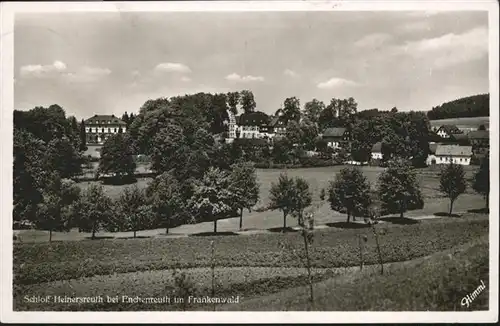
[446, 154]
[100, 127]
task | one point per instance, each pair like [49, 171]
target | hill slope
[471, 106]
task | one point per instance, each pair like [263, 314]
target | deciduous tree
[55, 210]
[117, 156]
[291, 110]
[452, 182]
[212, 197]
[281, 196]
[349, 192]
[243, 183]
[313, 109]
[95, 210]
[398, 188]
[247, 101]
[165, 196]
[132, 210]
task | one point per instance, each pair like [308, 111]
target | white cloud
[290, 73]
[59, 70]
[172, 67]
[336, 82]
[185, 79]
[373, 40]
[42, 70]
[249, 78]
[449, 49]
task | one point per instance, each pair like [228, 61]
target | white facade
[462, 160]
[104, 129]
[443, 134]
[333, 144]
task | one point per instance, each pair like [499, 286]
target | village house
[335, 137]
[446, 131]
[377, 151]
[100, 127]
[250, 125]
[479, 138]
[446, 154]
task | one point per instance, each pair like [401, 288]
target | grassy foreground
[44, 262]
[435, 283]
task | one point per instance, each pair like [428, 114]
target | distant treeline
[472, 106]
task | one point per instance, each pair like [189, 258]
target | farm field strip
[38, 263]
[432, 283]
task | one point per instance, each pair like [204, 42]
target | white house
[377, 151]
[100, 127]
[445, 131]
[335, 137]
[446, 154]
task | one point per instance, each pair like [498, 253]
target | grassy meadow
[469, 121]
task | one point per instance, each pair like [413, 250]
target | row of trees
[398, 191]
[218, 194]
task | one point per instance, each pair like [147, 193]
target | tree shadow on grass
[446, 214]
[99, 238]
[282, 230]
[117, 181]
[137, 237]
[483, 210]
[399, 220]
[348, 225]
[208, 234]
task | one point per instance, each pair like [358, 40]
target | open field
[435, 283]
[473, 121]
[140, 266]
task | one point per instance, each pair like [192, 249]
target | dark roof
[479, 134]
[453, 150]
[97, 120]
[460, 136]
[256, 118]
[334, 132]
[377, 147]
[274, 121]
[450, 129]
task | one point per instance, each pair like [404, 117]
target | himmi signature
[467, 300]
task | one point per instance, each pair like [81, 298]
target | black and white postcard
[253, 161]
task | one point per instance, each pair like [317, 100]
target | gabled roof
[453, 150]
[479, 134]
[334, 132]
[460, 136]
[450, 129]
[275, 121]
[97, 120]
[256, 118]
[377, 147]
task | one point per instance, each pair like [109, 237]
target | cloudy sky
[104, 63]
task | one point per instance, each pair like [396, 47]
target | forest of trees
[471, 106]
